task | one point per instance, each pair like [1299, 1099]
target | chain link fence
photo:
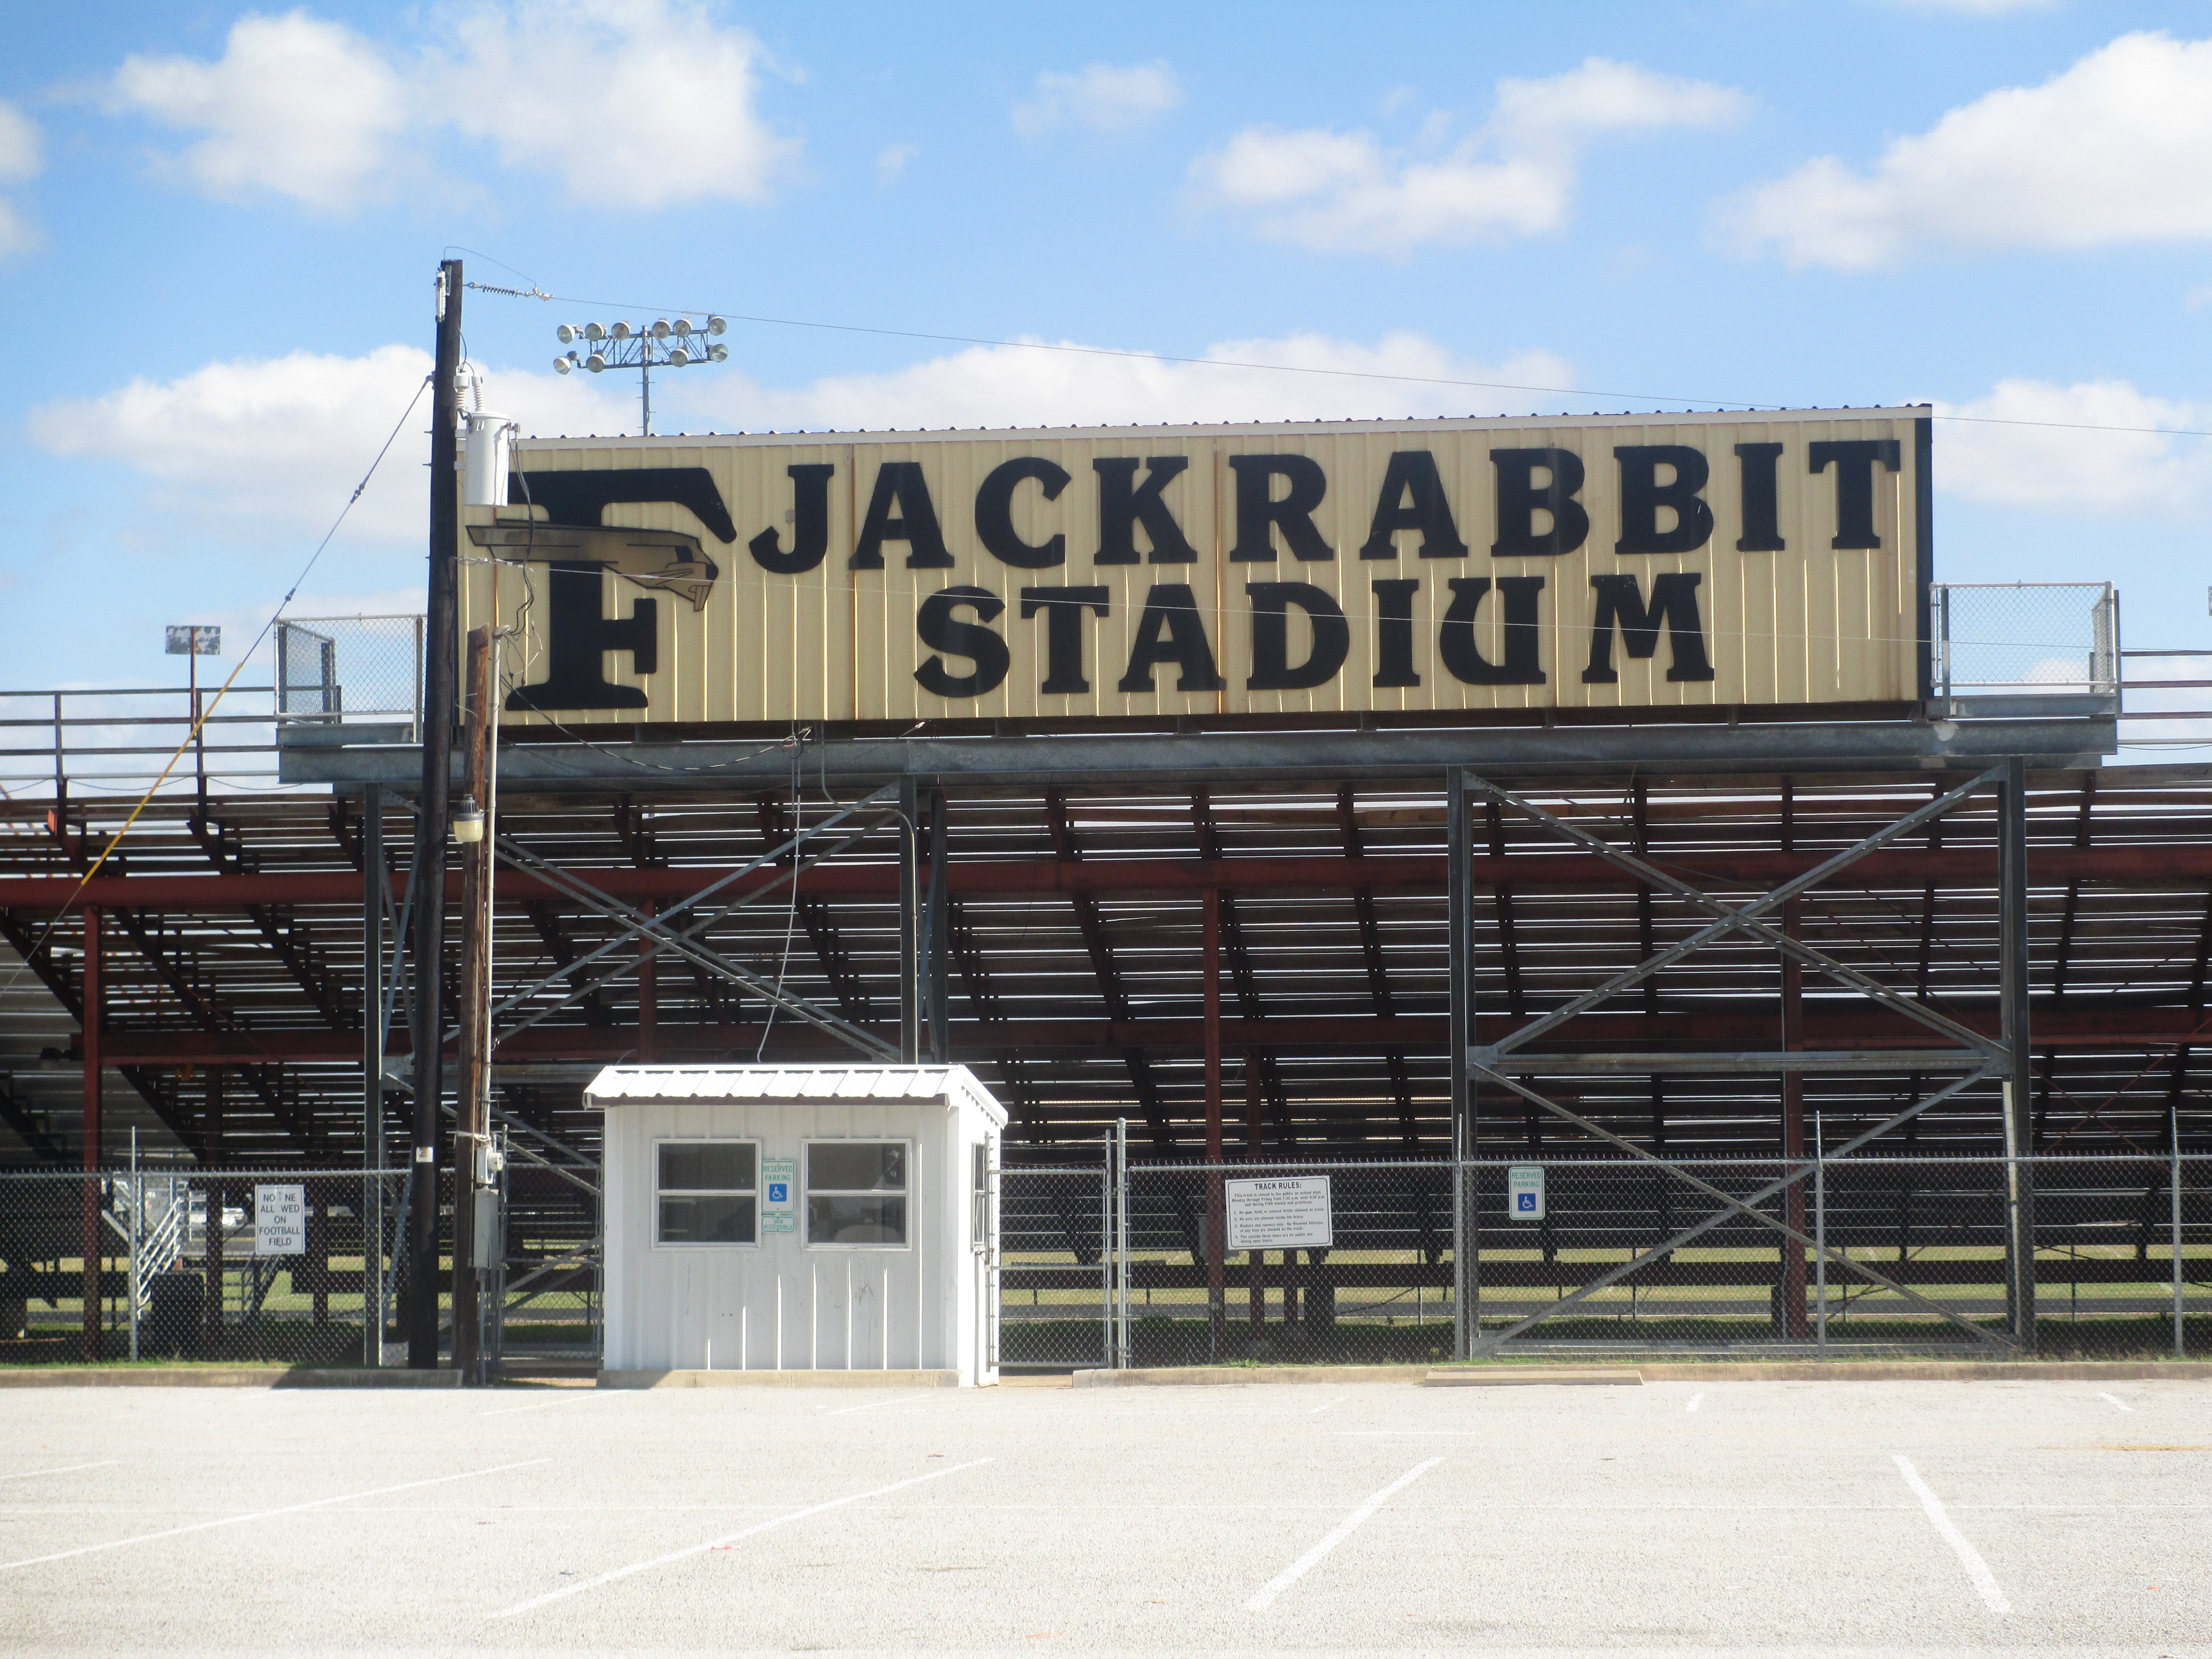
[1355, 1263]
[2021, 637]
[339, 668]
[302, 1268]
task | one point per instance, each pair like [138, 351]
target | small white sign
[280, 1221]
[1280, 1212]
[1524, 1192]
[779, 1209]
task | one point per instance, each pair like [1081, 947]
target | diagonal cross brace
[1746, 917]
[1746, 1206]
[684, 944]
[636, 924]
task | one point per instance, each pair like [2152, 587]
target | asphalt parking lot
[1673, 1517]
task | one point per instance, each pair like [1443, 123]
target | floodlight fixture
[664, 343]
[468, 822]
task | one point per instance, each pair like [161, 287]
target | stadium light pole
[659, 344]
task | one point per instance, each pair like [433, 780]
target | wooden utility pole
[474, 1103]
[428, 948]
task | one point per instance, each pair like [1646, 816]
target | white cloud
[891, 161]
[1346, 191]
[630, 103]
[2031, 443]
[2116, 149]
[296, 107]
[1013, 385]
[22, 157]
[22, 149]
[637, 103]
[1103, 97]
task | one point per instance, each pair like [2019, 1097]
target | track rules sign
[1287, 1212]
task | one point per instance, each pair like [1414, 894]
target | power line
[1744, 404]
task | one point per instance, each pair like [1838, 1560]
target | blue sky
[219, 229]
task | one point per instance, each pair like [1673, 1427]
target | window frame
[807, 1193]
[754, 1192]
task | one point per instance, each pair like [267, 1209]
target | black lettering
[901, 511]
[1272, 670]
[1673, 602]
[995, 513]
[1523, 633]
[1519, 499]
[940, 630]
[1122, 506]
[1394, 632]
[1762, 513]
[1642, 496]
[578, 497]
[1259, 514]
[809, 530]
[1170, 608]
[1413, 498]
[579, 636]
[1855, 459]
[1063, 609]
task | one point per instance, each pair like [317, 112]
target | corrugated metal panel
[1811, 622]
[648, 1082]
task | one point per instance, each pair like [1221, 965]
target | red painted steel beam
[2076, 1028]
[2153, 866]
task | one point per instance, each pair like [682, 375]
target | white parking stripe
[1291, 1574]
[1696, 1400]
[2110, 1401]
[1969, 1557]
[1326, 1404]
[66, 1469]
[844, 1411]
[264, 1514]
[731, 1538]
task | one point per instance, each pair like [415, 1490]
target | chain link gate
[1056, 1264]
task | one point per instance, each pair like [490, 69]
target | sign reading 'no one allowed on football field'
[1288, 1213]
[280, 1219]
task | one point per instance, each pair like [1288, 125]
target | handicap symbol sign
[1526, 1201]
[779, 1192]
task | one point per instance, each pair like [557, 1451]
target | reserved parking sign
[1524, 1192]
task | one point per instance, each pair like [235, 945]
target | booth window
[708, 1192]
[856, 1192]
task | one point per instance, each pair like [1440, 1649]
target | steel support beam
[1459, 953]
[1120, 761]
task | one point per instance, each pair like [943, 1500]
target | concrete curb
[1511, 1377]
[219, 1376]
[734, 1379]
[1222, 1375]
[1509, 1373]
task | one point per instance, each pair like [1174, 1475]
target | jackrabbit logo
[578, 551]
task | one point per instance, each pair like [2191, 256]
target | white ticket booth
[765, 1218]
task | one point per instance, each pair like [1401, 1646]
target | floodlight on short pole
[193, 640]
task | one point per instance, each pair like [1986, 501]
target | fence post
[138, 1210]
[2173, 1187]
[1118, 1179]
[2013, 943]
[1820, 1232]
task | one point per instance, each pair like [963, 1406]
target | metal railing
[119, 739]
